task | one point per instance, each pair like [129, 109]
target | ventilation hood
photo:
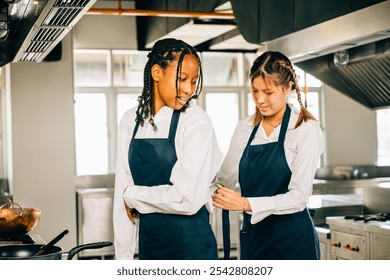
[361, 38]
[36, 27]
[364, 76]
[343, 43]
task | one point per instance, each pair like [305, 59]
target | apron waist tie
[226, 234]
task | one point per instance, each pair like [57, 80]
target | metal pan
[15, 222]
[28, 251]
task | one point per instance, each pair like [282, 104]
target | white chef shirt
[303, 147]
[198, 160]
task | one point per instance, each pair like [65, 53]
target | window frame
[112, 92]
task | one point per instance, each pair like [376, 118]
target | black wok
[28, 251]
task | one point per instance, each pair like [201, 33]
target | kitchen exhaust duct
[37, 26]
[350, 53]
[364, 76]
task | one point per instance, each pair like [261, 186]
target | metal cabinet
[379, 246]
[324, 239]
[94, 220]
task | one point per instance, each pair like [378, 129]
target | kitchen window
[220, 69]
[108, 83]
[128, 68]
[91, 134]
[383, 134]
[223, 110]
[92, 68]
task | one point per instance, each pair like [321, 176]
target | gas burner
[24, 239]
[380, 217]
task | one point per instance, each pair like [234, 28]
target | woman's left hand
[225, 198]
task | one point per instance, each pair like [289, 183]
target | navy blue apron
[167, 236]
[263, 171]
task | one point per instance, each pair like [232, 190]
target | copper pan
[15, 222]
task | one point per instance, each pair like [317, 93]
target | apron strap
[282, 134]
[226, 234]
[135, 130]
[173, 128]
[283, 129]
[252, 134]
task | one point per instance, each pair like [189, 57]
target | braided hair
[276, 67]
[164, 52]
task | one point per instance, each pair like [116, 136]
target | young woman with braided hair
[167, 157]
[273, 156]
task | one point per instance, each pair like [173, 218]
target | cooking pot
[16, 222]
[28, 251]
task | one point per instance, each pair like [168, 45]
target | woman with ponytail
[167, 157]
[273, 156]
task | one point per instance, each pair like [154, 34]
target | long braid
[276, 67]
[163, 53]
[145, 99]
[304, 114]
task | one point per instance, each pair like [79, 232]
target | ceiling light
[195, 33]
[236, 43]
[341, 58]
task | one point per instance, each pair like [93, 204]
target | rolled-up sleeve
[125, 232]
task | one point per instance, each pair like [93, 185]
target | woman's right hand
[131, 213]
[225, 198]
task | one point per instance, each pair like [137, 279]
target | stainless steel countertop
[371, 226]
[340, 221]
[352, 182]
[332, 200]
[380, 228]
[323, 233]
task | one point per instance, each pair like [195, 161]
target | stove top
[24, 239]
[363, 223]
[380, 217]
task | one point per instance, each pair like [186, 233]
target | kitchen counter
[328, 205]
[357, 239]
[380, 228]
[331, 200]
[347, 186]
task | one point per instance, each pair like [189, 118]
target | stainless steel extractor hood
[364, 76]
[354, 29]
[363, 37]
[37, 26]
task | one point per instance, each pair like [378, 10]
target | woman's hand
[131, 213]
[225, 198]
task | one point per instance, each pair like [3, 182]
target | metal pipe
[161, 13]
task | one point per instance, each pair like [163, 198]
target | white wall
[350, 130]
[105, 32]
[42, 123]
[43, 143]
